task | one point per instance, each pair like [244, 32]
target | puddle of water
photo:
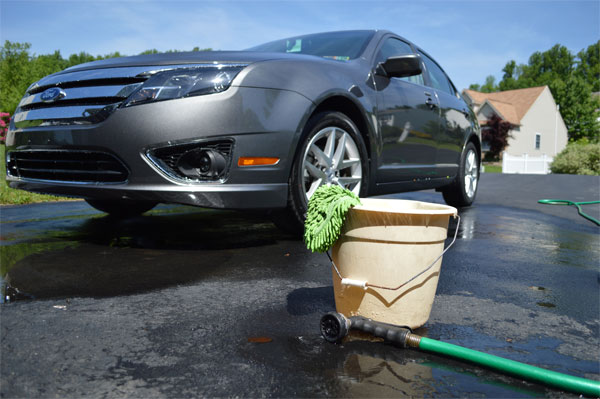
[361, 368]
[97, 256]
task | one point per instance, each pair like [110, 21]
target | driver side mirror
[400, 66]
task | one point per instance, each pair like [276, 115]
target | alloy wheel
[331, 157]
[471, 173]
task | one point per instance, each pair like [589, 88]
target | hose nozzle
[335, 326]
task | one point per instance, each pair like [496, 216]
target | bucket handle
[365, 285]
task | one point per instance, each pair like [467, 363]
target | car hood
[194, 57]
[130, 67]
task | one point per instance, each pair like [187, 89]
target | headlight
[184, 82]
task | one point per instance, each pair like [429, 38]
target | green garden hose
[558, 380]
[335, 326]
[576, 204]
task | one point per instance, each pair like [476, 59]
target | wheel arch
[345, 105]
[353, 109]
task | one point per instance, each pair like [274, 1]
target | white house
[538, 128]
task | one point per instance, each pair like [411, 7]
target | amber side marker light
[257, 161]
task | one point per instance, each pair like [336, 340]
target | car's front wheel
[331, 152]
[463, 190]
[122, 208]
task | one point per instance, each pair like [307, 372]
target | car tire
[331, 151]
[463, 190]
[121, 208]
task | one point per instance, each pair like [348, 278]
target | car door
[408, 118]
[455, 119]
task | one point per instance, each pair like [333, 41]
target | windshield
[342, 46]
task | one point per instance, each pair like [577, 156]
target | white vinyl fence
[526, 164]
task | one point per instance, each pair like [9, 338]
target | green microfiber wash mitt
[327, 209]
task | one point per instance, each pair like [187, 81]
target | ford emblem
[52, 94]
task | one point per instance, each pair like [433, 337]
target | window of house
[538, 139]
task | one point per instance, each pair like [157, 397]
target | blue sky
[470, 39]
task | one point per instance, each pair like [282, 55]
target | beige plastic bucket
[383, 245]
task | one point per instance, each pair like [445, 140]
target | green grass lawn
[489, 168]
[9, 196]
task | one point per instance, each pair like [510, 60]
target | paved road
[172, 304]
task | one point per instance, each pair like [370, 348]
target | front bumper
[260, 122]
[225, 196]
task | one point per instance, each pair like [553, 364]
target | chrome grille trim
[64, 115]
[80, 93]
[81, 77]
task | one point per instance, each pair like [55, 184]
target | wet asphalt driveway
[186, 302]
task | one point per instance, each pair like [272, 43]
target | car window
[340, 46]
[437, 77]
[392, 47]
[454, 91]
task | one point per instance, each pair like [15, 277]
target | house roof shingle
[512, 104]
[507, 111]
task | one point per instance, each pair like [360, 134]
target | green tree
[510, 78]
[488, 87]
[109, 55]
[15, 74]
[76, 59]
[44, 65]
[571, 80]
[543, 68]
[588, 65]
[577, 107]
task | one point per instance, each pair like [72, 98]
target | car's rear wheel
[463, 190]
[122, 208]
[331, 151]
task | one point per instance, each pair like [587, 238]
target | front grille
[66, 166]
[166, 158]
[87, 97]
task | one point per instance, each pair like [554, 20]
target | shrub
[496, 133]
[578, 159]
[4, 121]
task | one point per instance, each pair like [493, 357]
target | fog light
[201, 163]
